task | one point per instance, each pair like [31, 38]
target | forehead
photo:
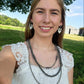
[48, 4]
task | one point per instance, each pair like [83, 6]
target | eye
[39, 11]
[54, 13]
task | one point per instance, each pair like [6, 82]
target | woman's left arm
[70, 76]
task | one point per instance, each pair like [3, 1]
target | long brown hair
[57, 38]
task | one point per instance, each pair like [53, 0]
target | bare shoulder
[6, 53]
[7, 65]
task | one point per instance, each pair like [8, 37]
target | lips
[45, 28]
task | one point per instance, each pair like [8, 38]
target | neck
[42, 43]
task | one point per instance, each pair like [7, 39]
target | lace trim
[20, 52]
[67, 58]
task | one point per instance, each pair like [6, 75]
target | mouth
[45, 28]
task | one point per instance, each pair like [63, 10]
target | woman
[40, 59]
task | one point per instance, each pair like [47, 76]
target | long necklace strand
[35, 77]
[40, 66]
[60, 66]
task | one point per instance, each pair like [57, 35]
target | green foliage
[79, 80]
[21, 5]
[68, 2]
[5, 20]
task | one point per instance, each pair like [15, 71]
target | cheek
[57, 21]
[36, 19]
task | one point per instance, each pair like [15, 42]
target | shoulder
[18, 44]
[14, 47]
[17, 50]
[9, 50]
[67, 58]
[6, 53]
[65, 53]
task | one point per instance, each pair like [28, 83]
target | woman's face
[46, 18]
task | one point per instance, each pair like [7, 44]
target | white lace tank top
[23, 74]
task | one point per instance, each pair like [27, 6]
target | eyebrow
[50, 9]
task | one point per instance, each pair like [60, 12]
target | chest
[44, 58]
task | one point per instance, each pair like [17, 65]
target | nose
[47, 18]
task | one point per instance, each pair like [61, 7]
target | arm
[70, 76]
[7, 65]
